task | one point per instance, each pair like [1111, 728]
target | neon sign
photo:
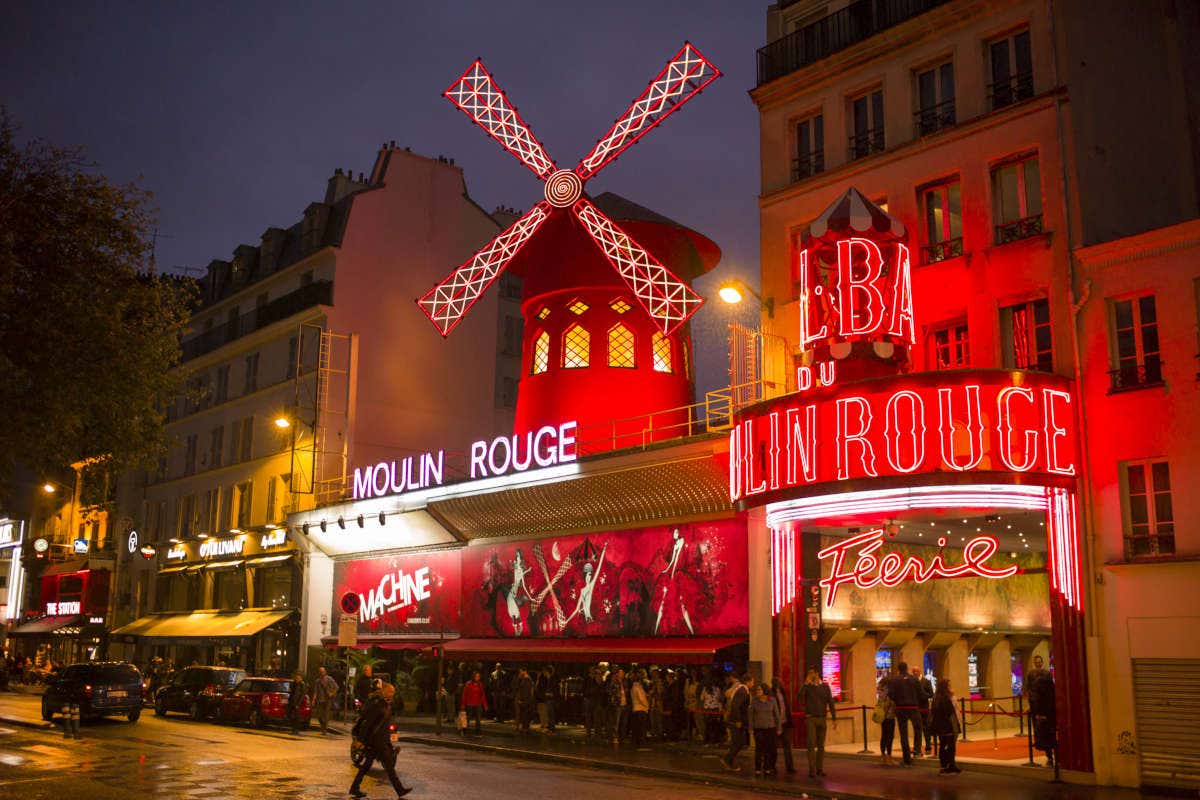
[176, 552]
[396, 590]
[892, 569]
[63, 607]
[860, 300]
[900, 425]
[273, 538]
[220, 547]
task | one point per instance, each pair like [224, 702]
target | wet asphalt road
[175, 758]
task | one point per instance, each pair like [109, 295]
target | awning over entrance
[697, 650]
[202, 625]
[66, 624]
[387, 642]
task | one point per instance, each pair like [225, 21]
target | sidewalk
[23, 707]
[849, 778]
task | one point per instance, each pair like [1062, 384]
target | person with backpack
[373, 730]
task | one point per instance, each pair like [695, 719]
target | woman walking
[885, 715]
[640, 703]
[765, 722]
[944, 719]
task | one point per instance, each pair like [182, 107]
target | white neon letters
[395, 591]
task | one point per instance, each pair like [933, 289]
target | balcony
[1019, 229]
[807, 165]
[940, 251]
[855, 23]
[935, 118]
[865, 143]
[314, 294]
[1136, 376]
[1011, 90]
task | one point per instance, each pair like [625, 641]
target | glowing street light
[730, 293]
[49, 488]
[283, 423]
[735, 290]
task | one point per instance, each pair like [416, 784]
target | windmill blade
[481, 99]
[447, 303]
[680, 80]
[665, 298]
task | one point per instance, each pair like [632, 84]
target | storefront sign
[273, 538]
[892, 569]
[41, 545]
[132, 542]
[6, 533]
[212, 548]
[81, 546]
[176, 553]
[865, 295]
[664, 581]
[961, 421]
[95, 620]
[546, 447]
[148, 552]
[63, 607]
[401, 594]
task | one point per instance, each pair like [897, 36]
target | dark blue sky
[234, 114]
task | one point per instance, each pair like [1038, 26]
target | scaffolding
[319, 439]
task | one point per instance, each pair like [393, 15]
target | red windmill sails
[667, 299]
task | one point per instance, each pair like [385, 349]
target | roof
[49, 625]
[854, 213]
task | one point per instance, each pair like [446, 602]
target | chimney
[338, 187]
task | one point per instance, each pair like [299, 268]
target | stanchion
[995, 727]
[1029, 738]
[962, 705]
[866, 747]
[1020, 715]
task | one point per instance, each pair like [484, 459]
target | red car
[261, 701]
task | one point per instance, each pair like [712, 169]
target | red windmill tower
[605, 319]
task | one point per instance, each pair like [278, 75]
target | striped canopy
[852, 213]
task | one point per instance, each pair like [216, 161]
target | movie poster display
[400, 594]
[678, 580]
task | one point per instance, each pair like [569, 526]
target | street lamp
[49, 488]
[282, 422]
[734, 291]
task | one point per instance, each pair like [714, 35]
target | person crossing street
[373, 729]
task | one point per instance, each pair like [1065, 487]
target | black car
[197, 691]
[99, 688]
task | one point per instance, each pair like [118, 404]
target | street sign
[133, 542]
[351, 603]
[81, 546]
[347, 630]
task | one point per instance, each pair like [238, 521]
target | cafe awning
[63, 624]
[694, 650]
[385, 642]
[202, 625]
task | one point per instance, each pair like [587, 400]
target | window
[187, 515]
[541, 353]
[225, 520]
[1012, 69]
[949, 347]
[512, 335]
[810, 148]
[866, 119]
[222, 392]
[251, 374]
[247, 443]
[1149, 519]
[203, 391]
[271, 499]
[619, 305]
[545, 312]
[293, 350]
[935, 99]
[231, 324]
[1025, 336]
[245, 502]
[661, 347]
[621, 347]
[1017, 200]
[215, 446]
[508, 392]
[576, 342]
[273, 586]
[577, 307]
[1135, 344]
[942, 206]
[189, 455]
[229, 588]
[209, 510]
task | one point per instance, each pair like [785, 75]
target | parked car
[100, 688]
[261, 701]
[197, 691]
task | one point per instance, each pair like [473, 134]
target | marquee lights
[801, 509]
[667, 299]
[783, 568]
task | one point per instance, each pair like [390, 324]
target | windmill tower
[605, 304]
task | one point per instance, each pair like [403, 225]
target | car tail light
[87, 690]
[210, 690]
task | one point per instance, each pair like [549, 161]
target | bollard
[1030, 762]
[866, 746]
[995, 732]
[962, 704]
[66, 715]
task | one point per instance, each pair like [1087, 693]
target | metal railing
[1019, 229]
[940, 251]
[853, 24]
[933, 119]
[1011, 90]
[807, 165]
[865, 143]
[1136, 376]
[314, 294]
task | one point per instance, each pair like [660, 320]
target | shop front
[12, 575]
[70, 625]
[229, 601]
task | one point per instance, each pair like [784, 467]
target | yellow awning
[202, 624]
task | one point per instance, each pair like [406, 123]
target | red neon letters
[862, 300]
[892, 569]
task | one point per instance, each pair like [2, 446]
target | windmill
[663, 296]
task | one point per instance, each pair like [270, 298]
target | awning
[384, 642]
[65, 567]
[223, 564]
[696, 650]
[254, 562]
[47, 625]
[202, 625]
[169, 570]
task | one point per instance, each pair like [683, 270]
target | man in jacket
[785, 715]
[906, 694]
[362, 685]
[737, 716]
[817, 698]
[296, 702]
[373, 729]
[926, 687]
[474, 702]
[324, 690]
[595, 695]
[618, 704]
[523, 700]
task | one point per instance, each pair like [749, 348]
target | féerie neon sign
[892, 569]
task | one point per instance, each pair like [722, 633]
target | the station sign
[63, 608]
[941, 422]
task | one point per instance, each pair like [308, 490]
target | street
[172, 757]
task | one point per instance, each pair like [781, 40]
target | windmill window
[621, 347]
[576, 342]
[541, 353]
[545, 312]
[661, 347]
[577, 307]
[619, 305]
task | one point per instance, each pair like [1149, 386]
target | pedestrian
[906, 694]
[639, 703]
[817, 699]
[523, 700]
[675, 707]
[498, 685]
[296, 699]
[737, 717]
[711, 712]
[373, 730]
[324, 691]
[550, 697]
[926, 694]
[691, 706]
[885, 716]
[595, 697]
[1043, 712]
[766, 724]
[944, 723]
[363, 685]
[654, 695]
[474, 701]
[787, 725]
[618, 704]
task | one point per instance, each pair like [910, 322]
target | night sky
[235, 114]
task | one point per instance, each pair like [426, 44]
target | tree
[88, 333]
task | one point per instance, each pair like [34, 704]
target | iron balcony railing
[1136, 376]
[854, 23]
[933, 119]
[314, 294]
[1011, 90]
[865, 143]
[807, 165]
[940, 251]
[1019, 229]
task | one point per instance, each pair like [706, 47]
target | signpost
[347, 630]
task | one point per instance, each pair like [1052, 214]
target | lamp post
[733, 291]
[50, 488]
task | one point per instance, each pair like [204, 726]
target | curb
[638, 769]
[24, 723]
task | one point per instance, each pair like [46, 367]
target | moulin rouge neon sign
[892, 569]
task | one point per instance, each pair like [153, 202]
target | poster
[416, 593]
[678, 580]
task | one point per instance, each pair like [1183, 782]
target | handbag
[462, 720]
[879, 714]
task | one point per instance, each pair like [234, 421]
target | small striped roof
[854, 213]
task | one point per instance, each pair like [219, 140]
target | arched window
[541, 353]
[661, 347]
[576, 342]
[621, 347]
